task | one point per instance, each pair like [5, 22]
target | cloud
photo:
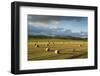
[44, 30]
[56, 18]
[42, 20]
[32, 30]
[49, 25]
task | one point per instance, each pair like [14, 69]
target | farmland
[52, 49]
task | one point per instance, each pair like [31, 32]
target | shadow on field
[78, 56]
[70, 56]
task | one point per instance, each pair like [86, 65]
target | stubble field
[52, 49]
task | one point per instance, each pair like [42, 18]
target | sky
[57, 25]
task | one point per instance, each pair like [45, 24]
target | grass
[68, 49]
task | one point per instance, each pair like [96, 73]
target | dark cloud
[39, 25]
[33, 30]
[46, 19]
[43, 30]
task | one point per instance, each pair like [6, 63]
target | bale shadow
[76, 56]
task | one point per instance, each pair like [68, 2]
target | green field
[52, 49]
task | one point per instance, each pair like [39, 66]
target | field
[52, 49]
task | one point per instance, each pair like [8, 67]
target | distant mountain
[53, 32]
[67, 35]
[57, 37]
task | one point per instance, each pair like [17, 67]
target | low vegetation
[56, 48]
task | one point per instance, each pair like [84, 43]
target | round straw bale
[36, 45]
[47, 49]
[56, 51]
[74, 50]
[80, 45]
[47, 44]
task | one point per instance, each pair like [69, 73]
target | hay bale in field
[53, 42]
[36, 45]
[57, 51]
[47, 49]
[74, 50]
[47, 44]
[80, 45]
